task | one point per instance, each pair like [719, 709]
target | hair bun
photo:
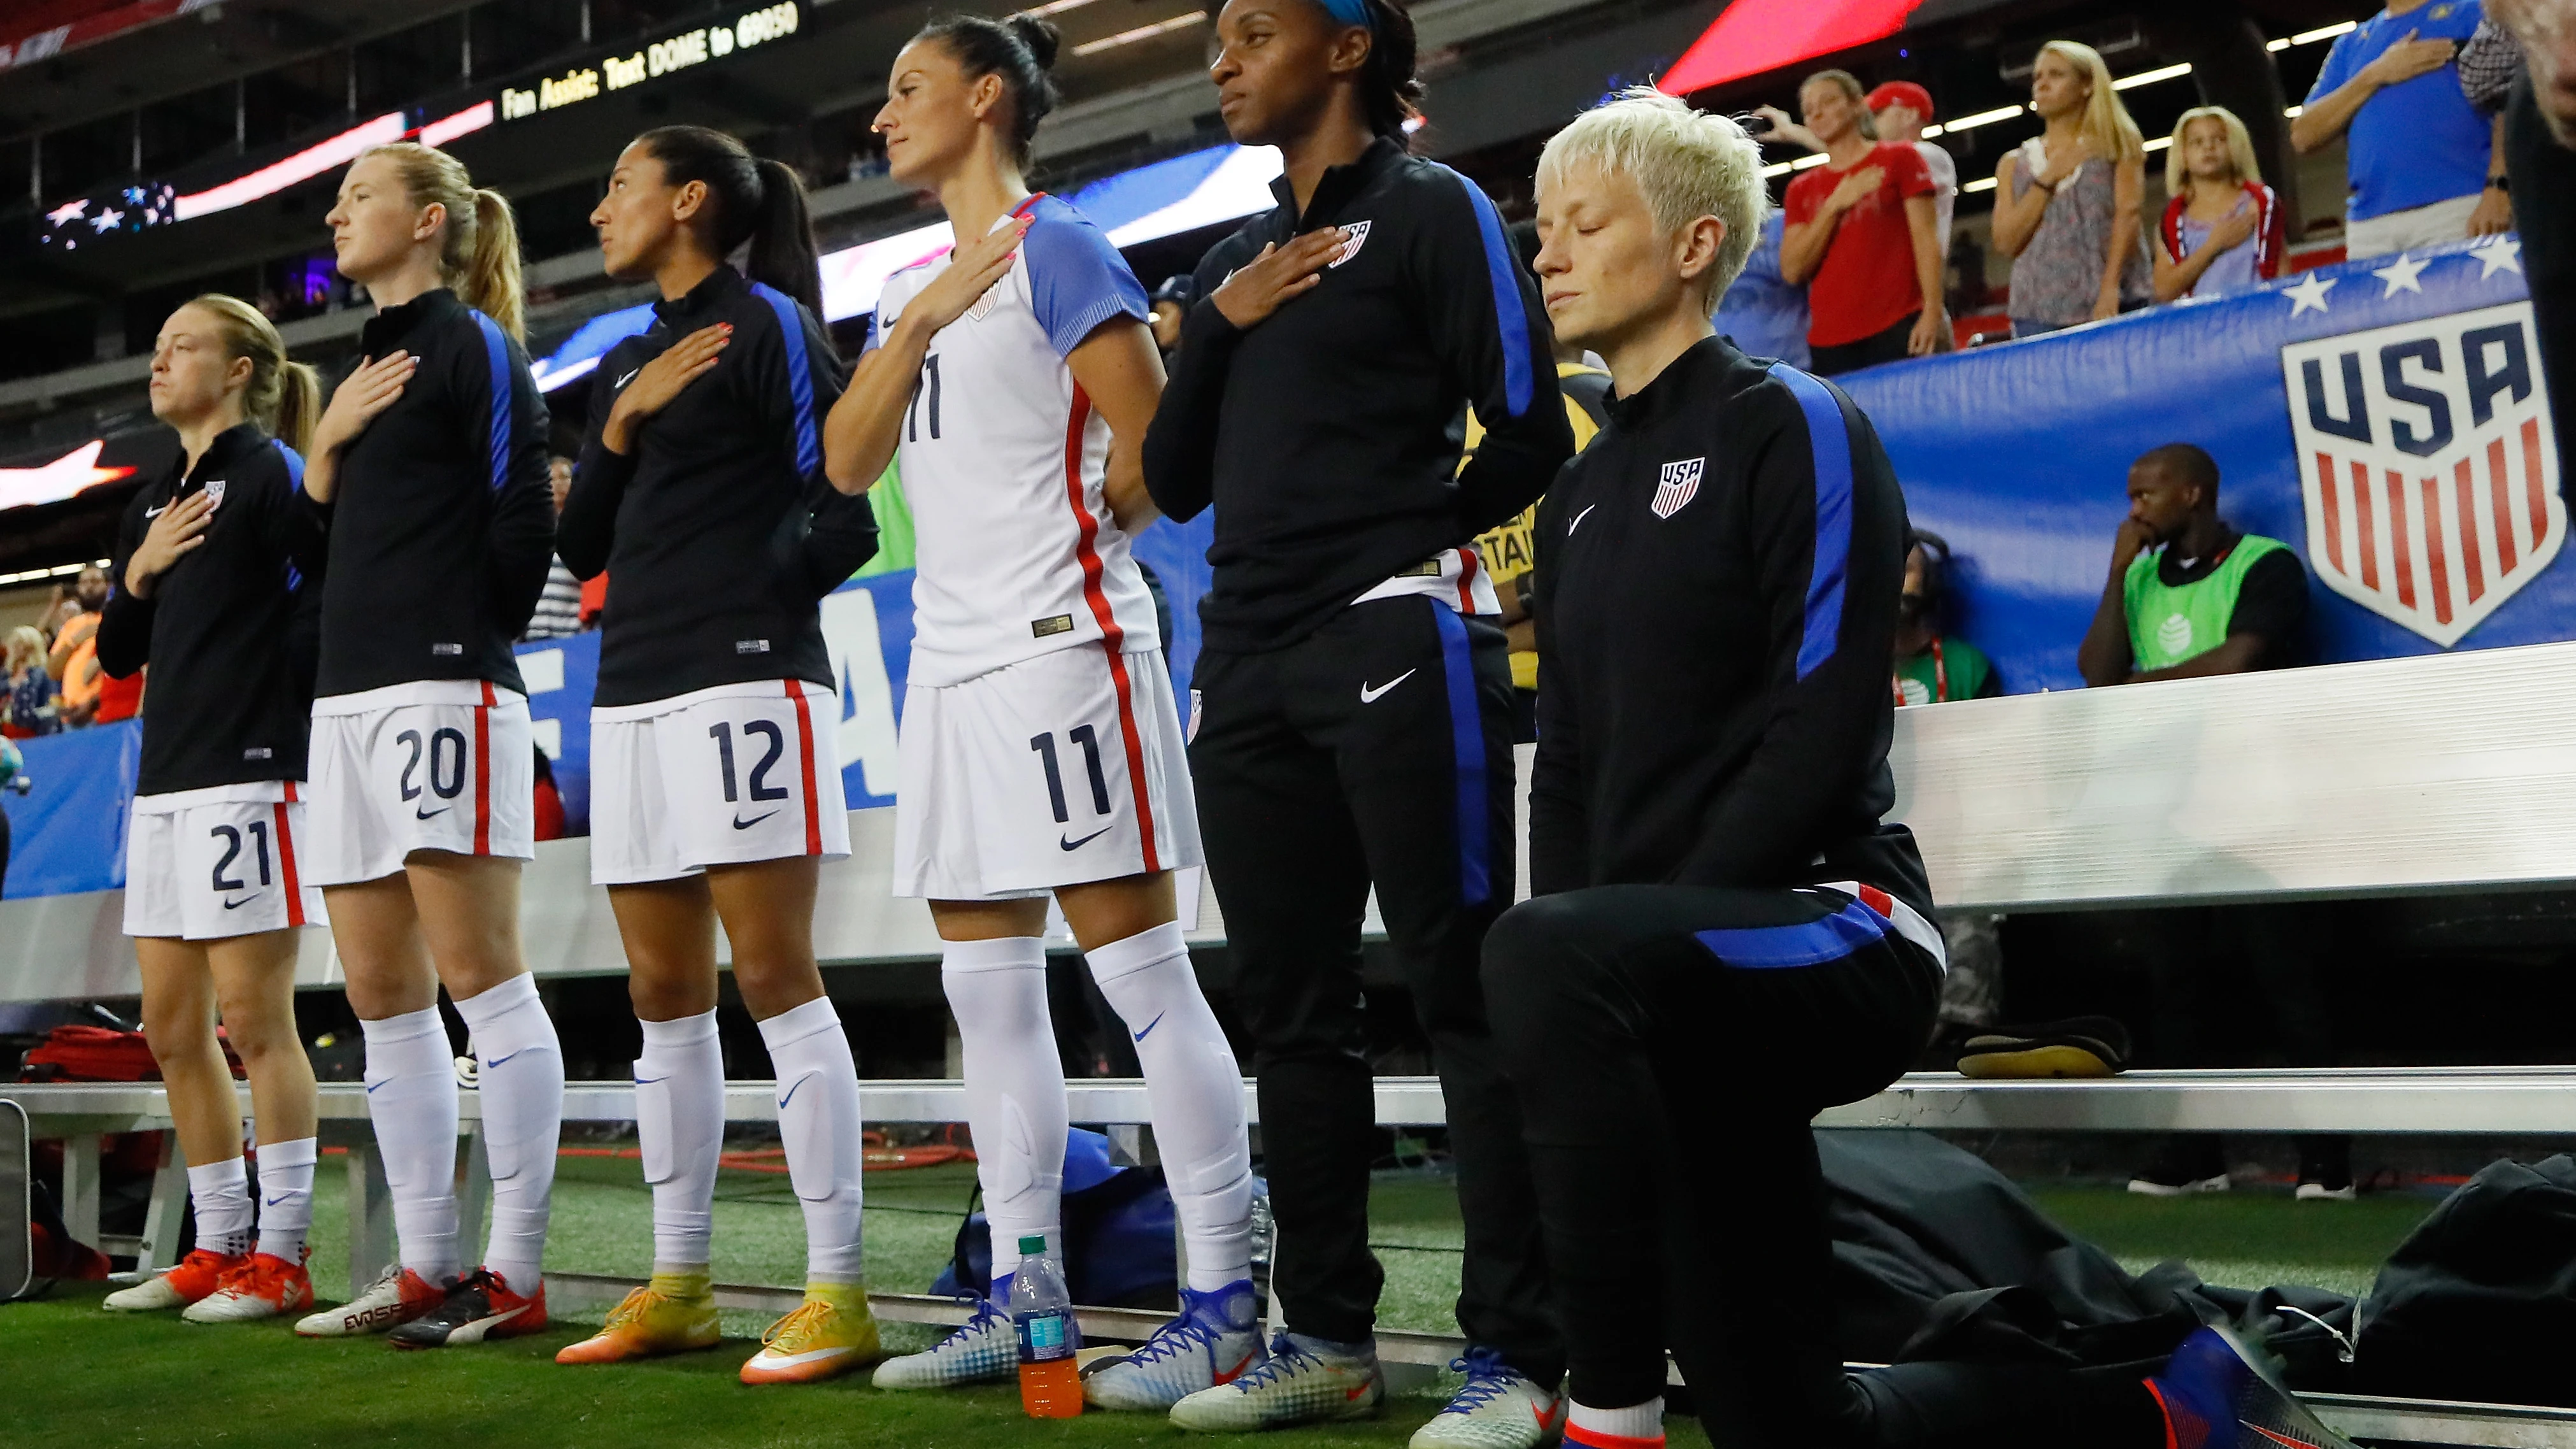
[1040, 36]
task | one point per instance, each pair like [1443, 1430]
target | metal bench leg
[160, 1242]
[473, 1196]
[371, 1217]
[80, 1187]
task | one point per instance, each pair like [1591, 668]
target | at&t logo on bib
[2428, 466]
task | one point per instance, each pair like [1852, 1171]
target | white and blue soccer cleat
[1303, 1382]
[1499, 1407]
[984, 1349]
[1213, 1342]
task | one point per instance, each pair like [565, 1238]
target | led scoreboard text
[661, 58]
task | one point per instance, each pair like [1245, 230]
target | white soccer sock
[679, 1122]
[521, 1072]
[411, 1097]
[1194, 1090]
[1014, 1088]
[818, 1117]
[1635, 1427]
[286, 1196]
[220, 1192]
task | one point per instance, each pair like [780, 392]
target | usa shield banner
[2428, 465]
[1675, 485]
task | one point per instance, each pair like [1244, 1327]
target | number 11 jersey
[1002, 459]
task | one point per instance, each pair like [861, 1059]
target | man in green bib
[2189, 596]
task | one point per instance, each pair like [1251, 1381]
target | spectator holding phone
[1860, 237]
[2222, 229]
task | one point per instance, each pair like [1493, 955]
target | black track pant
[1667, 1094]
[1377, 749]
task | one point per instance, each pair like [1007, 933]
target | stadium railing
[2425, 775]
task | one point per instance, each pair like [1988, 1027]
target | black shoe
[2325, 1170]
[2080, 1046]
[479, 1305]
[2183, 1166]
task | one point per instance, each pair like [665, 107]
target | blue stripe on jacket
[1830, 439]
[1503, 270]
[496, 351]
[800, 377]
[1767, 948]
[1467, 747]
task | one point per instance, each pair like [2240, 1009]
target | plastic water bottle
[1042, 1315]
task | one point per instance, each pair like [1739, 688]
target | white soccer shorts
[1054, 771]
[721, 776]
[443, 764]
[228, 860]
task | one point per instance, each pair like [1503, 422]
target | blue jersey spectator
[1766, 316]
[2420, 158]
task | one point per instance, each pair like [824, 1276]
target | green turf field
[82, 1379]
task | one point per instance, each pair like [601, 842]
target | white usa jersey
[1002, 458]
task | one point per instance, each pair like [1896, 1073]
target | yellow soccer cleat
[831, 1333]
[675, 1313]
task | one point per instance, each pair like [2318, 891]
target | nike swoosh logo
[431, 814]
[496, 1061]
[246, 900]
[741, 824]
[371, 1086]
[1086, 840]
[648, 1081]
[1236, 1372]
[791, 1092]
[154, 512]
[1371, 696]
[1354, 1395]
[1577, 521]
[274, 1201]
[1149, 1026]
[629, 377]
[810, 1355]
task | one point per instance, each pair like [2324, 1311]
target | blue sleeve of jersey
[1077, 280]
[2339, 65]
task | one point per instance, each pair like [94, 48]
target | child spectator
[1860, 236]
[2219, 205]
[28, 709]
[2066, 201]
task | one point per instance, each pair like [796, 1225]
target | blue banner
[67, 833]
[2386, 418]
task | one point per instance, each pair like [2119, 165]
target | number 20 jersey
[1002, 457]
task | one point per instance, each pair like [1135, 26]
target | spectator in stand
[2188, 597]
[550, 806]
[29, 708]
[2423, 165]
[1900, 109]
[2222, 229]
[2540, 153]
[1860, 237]
[559, 612]
[2066, 201]
[73, 660]
[1172, 303]
[1761, 314]
[1931, 667]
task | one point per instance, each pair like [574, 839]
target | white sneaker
[1214, 1341]
[1499, 1407]
[398, 1297]
[1300, 1384]
[985, 1349]
[192, 1278]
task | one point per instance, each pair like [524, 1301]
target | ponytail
[1390, 88]
[284, 398]
[479, 249]
[491, 283]
[754, 200]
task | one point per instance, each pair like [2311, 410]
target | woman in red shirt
[1862, 237]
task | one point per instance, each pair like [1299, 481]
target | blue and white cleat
[2220, 1392]
[1213, 1342]
[1499, 1407]
[1304, 1382]
[984, 1349]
